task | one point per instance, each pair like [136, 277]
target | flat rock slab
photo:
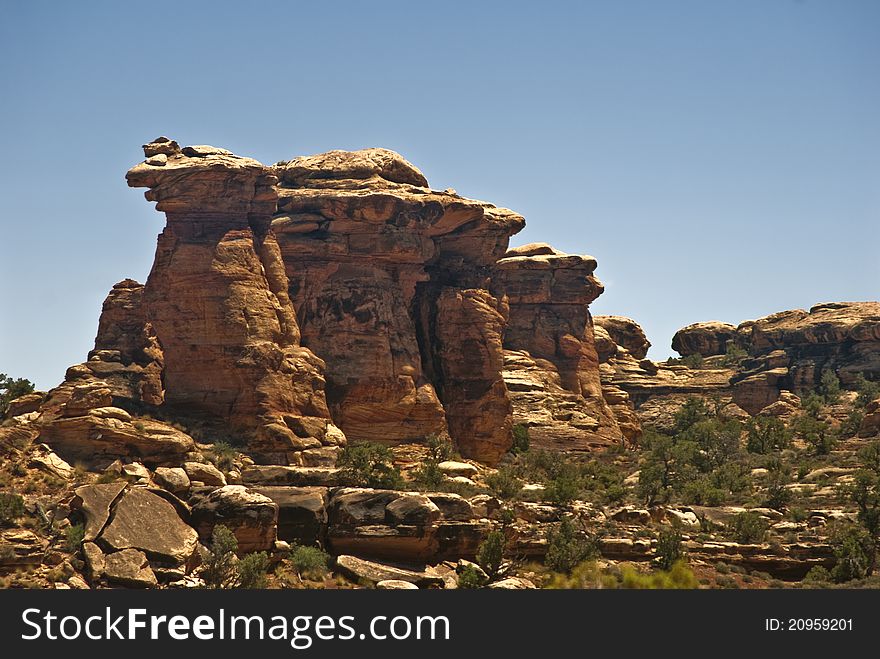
[396, 584]
[144, 521]
[129, 567]
[359, 568]
[95, 506]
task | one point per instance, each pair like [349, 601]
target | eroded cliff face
[217, 301]
[780, 356]
[390, 281]
[336, 291]
[551, 360]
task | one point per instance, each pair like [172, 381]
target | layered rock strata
[390, 281]
[216, 300]
[551, 360]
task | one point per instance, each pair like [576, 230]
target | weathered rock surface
[129, 567]
[625, 333]
[144, 521]
[382, 271]
[252, 517]
[217, 301]
[374, 572]
[705, 339]
[551, 363]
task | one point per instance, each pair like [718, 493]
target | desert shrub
[564, 487]
[471, 577]
[222, 454]
[12, 388]
[733, 354]
[669, 548]
[693, 411]
[818, 434]
[11, 508]
[829, 386]
[701, 492]
[586, 575]
[504, 484]
[367, 464]
[567, 547]
[440, 448]
[427, 475]
[817, 575]
[73, 537]
[716, 441]
[520, 438]
[491, 552]
[854, 552]
[679, 576]
[693, 361]
[778, 476]
[252, 570]
[766, 434]
[748, 527]
[309, 562]
[219, 563]
[811, 404]
[867, 390]
[852, 423]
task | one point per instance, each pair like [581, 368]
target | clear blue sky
[720, 159]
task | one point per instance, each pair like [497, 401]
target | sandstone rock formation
[217, 301]
[389, 279]
[335, 291]
[704, 339]
[788, 352]
[551, 365]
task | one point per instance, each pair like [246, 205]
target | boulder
[373, 572]
[173, 479]
[144, 521]
[251, 516]
[205, 473]
[129, 567]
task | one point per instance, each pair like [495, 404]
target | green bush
[567, 547]
[693, 361]
[219, 563]
[829, 386]
[817, 575]
[818, 434]
[440, 448]
[491, 552]
[669, 548]
[504, 484]
[428, 476]
[811, 404]
[702, 492]
[693, 411]
[679, 577]
[868, 390]
[10, 389]
[470, 577]
[367, 464]
[252, 570]
[520, 439]
[73, 537]
[564, 487]
[852, 423]
[11, 508]
[309, 562]
[778, 476]
[766, 434]
[854, 551]
[733, 354]
[748, 528]
[222, 454]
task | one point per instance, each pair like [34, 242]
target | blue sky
[720, 159]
